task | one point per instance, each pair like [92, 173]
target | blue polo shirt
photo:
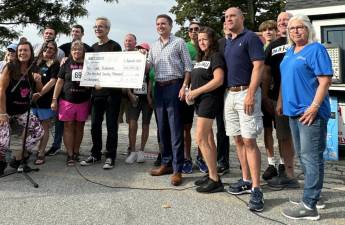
[239, 53]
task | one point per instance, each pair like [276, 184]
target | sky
[128, 16]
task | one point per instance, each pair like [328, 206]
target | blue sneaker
[256, 202]
[201, 164]
[241, 187]
[187, 166]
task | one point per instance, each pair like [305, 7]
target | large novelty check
[113, 69]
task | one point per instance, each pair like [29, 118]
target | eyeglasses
[191, 29]
[298, 28]
[99, 27]
[51, 48]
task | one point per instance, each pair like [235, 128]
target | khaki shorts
[236, 121]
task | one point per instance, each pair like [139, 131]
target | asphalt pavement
[91, 195]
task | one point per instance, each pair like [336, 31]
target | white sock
[281, 161]
[250, 181]
[271, 161]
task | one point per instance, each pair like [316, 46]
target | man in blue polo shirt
[244, 58]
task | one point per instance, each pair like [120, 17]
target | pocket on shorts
[253, 125]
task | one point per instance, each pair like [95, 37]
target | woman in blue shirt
[306, 73]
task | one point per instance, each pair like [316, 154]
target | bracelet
[184, 85]
[54, 98]
[4, 114]
[39, 94]
[315, 105]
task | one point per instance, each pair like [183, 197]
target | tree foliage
[59, 14]
[210, 12]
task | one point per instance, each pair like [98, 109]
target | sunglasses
[196, 29]
[11, 50]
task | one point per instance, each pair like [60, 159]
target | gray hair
[105, 19]
[306, 22]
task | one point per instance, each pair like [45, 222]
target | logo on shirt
[202, 65]
[24, 92]
[280, 49]
[301, 58]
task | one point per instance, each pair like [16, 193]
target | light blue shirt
[170, 60]
[299, 72]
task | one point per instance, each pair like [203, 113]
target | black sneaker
[283, 181]
[201, 181]
[14, 163]
[158, 161]
[109, 164]
[52, 151]
[256, 202]
[211, 186]
[281, 170]
[90, 161]
[221, 170]
[241, 187]
[3, 166]
[270, 172]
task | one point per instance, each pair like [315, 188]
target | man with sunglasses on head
[188, 110]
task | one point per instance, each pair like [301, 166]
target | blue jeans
[59, 125]
[310, 143]
[170, 127]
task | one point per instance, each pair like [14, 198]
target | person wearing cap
[139, 103]
[10, 55]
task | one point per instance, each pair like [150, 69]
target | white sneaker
[131, 158]
[140, 157]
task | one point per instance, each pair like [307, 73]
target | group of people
[243, 84]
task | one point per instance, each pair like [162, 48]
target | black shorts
[187, 113]
[207, 106]
[142, 106]
[267, 119]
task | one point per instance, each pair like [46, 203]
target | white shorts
[236, 121]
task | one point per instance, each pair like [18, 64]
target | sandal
[39, 160]
[70, 161]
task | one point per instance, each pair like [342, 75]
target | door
[335, 35]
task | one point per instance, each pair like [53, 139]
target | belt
[166, 83]
[237, 88]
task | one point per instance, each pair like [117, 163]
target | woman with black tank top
[15, 102]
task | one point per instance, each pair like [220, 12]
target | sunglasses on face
[191, 29]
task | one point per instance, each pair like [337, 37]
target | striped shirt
[171, 60]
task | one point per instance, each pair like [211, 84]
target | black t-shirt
[71, 90]
[18, 101]
[202, 72]
[274, 54]
[47, 73]
[110, 46]
[66, 48]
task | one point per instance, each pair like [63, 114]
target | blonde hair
[306, 22]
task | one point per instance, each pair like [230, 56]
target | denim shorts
[43, 114]
[236, 121]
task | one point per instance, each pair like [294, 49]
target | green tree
[57, 13]
[210, 12]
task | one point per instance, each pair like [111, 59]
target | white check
[113, 69]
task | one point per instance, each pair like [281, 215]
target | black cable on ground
[170, 189]
[131, 188]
